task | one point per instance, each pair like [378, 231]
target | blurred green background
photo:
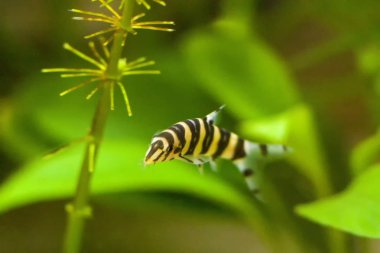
[303, 73]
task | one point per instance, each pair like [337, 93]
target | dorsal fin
[211, 117]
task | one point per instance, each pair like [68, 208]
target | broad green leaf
[308, 154]
[119, 169]
[9, 136]
[356, 210]
[271, 129]
[24, 130]
[366, 154]
[294, 127]
[239, 70]
[19, 135]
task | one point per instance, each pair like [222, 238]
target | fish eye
[158, 145]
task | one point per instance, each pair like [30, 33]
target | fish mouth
[148, 162]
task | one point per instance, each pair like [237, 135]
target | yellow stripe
[172, 133]
[214, 145]
[202, 136]
[188, 135]
[229, 151]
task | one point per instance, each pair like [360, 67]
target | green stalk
[117, 46]
[79, 210]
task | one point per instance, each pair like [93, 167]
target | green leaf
[271, 129]
[356, 210]
[239, 70]
[20, 136]
[308, 154]
[37, 119]
[119, 169]
[294, 127]
[366, 154]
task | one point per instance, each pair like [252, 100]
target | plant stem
[119, 37]
[79, 210]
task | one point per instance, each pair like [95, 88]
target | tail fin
[258, 150]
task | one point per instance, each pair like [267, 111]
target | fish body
[199, 141]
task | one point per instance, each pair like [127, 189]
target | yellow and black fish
[199, 141]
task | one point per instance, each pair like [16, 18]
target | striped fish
[199, 141]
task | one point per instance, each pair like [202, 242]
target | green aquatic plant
[110, 68]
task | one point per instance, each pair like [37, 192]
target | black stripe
[190, 124]
[209, 132]
[179, 130]
[195, 131]
[239, 149]
[223, 142]
[263, 149]
[212, 135]
[167, 136]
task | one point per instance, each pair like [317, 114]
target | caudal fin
[258, 150]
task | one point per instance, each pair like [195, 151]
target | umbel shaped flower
[113, 20]
[99, 76]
